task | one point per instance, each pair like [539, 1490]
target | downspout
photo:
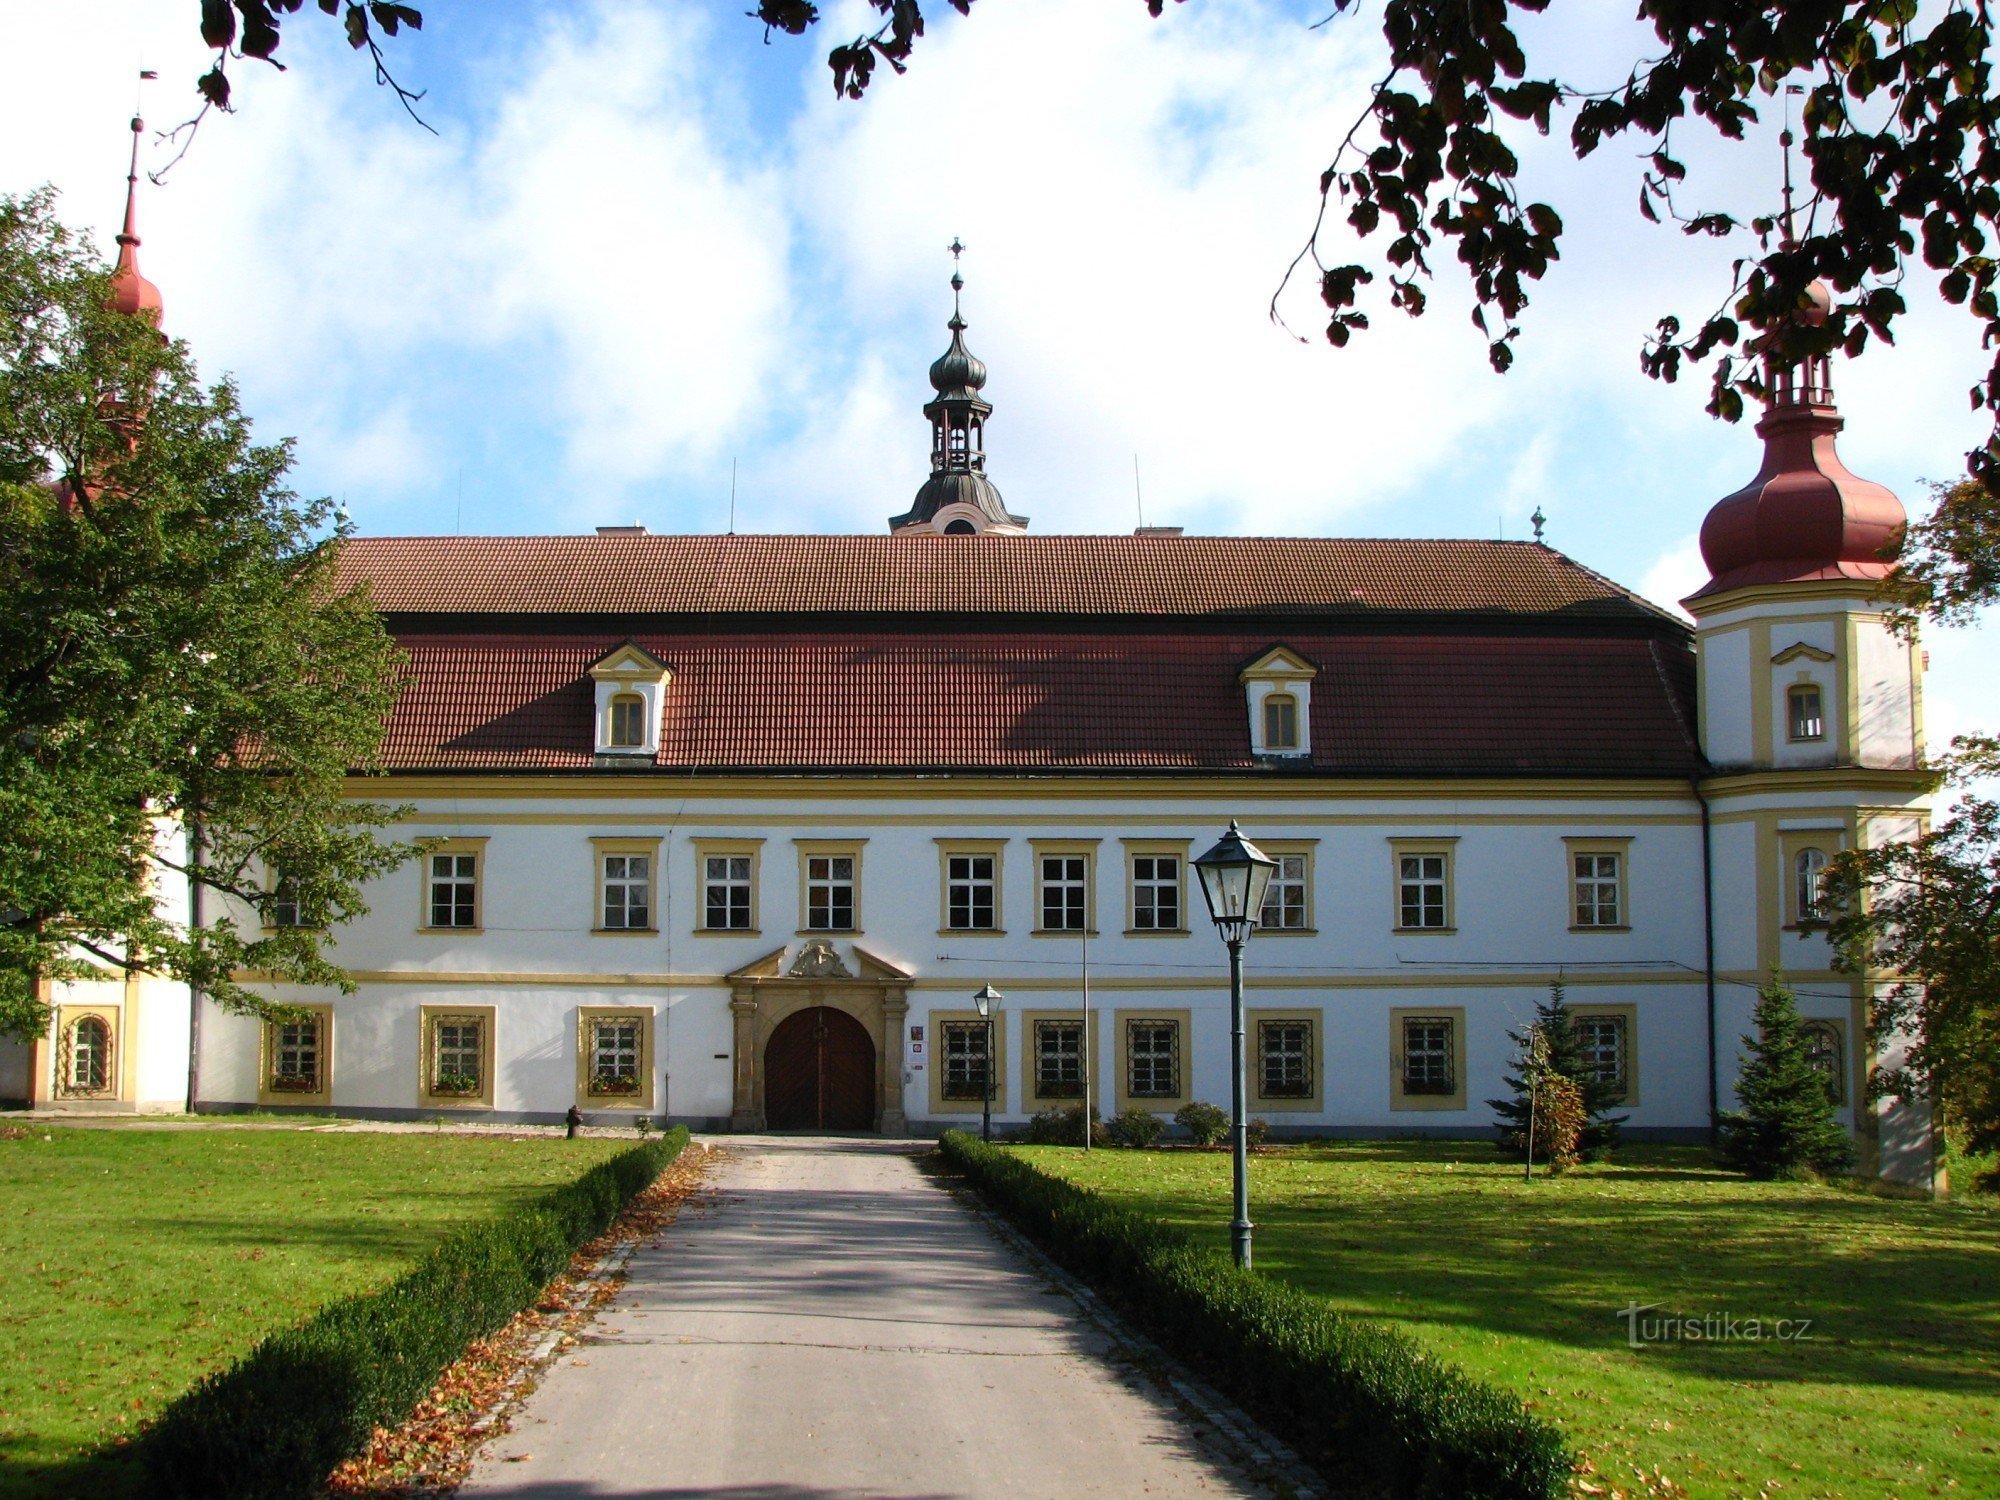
[194, 990]
[1708, 949]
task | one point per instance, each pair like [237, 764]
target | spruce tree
[1565, 1059]
[1786, 1125]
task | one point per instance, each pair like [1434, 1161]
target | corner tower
[958, 499]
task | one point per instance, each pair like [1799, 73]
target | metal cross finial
[957, 281]
[1538, 519]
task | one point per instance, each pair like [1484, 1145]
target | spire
[131, 292]
[958, 498]
[1805, 517]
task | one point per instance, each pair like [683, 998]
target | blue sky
[644, 246]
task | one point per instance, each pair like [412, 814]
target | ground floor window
[617, 1052]
[1059, 1059]
[1429, 1063]
[1285, 1059]
[962, 1045]
[1604, 1042]
[1827, 1056]
[1153, 1059]
[458, 1054]
[298, 1057]
[85, 1062]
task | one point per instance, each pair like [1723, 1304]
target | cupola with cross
[958, 499]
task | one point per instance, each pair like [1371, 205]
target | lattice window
[617, 1055]
[458, 1054]
[454, 890]
[1603, 1041]
[1065, 887]
[1153, 1059]
[830, 892]
[1422, 890]
[1594, 888]
[1285, 1059]
[1058, 1059]
[628, 892]
[725, 892]
[298, 1056]
[970, 902]
[965, 1061]
[1429, 1066]
[1285, 897]
[1156, 892]
[85, 1062]
[1826, 1056]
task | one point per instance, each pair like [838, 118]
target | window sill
[1065, 932]
[813, 932]
[1602, 927]
[972, 932]
[1425, 931]
[1285, 931]
[728, 932]
[452, 931]
[624, 932]
[1156, 932]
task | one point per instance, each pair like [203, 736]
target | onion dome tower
[958, 499]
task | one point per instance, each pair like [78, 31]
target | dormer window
[630, 697]
[1277, 689]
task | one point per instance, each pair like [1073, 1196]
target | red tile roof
[1068, 576]
[789, 699]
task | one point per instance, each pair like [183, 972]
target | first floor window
[1063, 887]
[965, 1060]
[1825, 1055]
[1153, 1059]
[725, 892]
[617, 1051]
[1428, 1064]
[1285, 897]
[628, 891]
[284, 903]
[969, 894]
[1285, 1059]
[1594, 889]
[1808, 871]
[1156, 892]
[454, 890]
[458, 1054]
[1059, 1059]
[297, 1057]
[1603, 1041]
[1420, 893]
[1807, 718]
[86, 1069]
[830, 892]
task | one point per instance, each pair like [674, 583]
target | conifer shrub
[1786, 1127]
[275, 1423]
[1135, 1127]
[1368, 1406]
[1208, 1125]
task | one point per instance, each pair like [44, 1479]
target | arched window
[87, 1069]
[1824, 1054]
[628, 721]
[1281, 722]
[1806, 718]
[1808, 870]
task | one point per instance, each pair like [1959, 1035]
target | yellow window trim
[586, 1016]
[1121, 1022]
[267, 1058]
[1263, 1103]
[935, 1030]
[807, 849]
[1445, 844]
[466, 843]
[1618, 844]
[1309, 850]
[1398, 1100]
[704, 849]
[427, 1017]
[997, 850]
[1140, 848]
[1087, 849]
[1630, 1014]
[1032, 1100]
[649, 845]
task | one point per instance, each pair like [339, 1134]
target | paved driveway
[828, 1323]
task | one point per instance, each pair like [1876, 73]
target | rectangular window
[296, 1057]
[962, 1047]
[1153, 1059]
[628, 721]
[830, 892]
[1065, 886]
[1428, 1064]
[284, 903]
[1421, 891]
[1281, 722]
[1059, 1059]
[1156, 892]
[454, 890]
[1808, 719]
[617, 1052]
[1594, 890]
[628, 892]
[458, 1055]
[970, 891]
[1285, 1059]
[1285, 898]
[1602, 1040]
[725, 892]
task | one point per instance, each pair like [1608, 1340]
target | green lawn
[135, 1261]
[1893, 1391]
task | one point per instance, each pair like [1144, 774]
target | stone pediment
[819, 960]
[1800, 651]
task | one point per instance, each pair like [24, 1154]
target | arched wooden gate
[819, 1072]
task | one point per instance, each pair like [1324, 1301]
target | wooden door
[819, 1073]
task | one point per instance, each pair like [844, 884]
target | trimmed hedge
[1368, 1406]
[274, 1424]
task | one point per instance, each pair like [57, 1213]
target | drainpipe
[194, 990]
[1708, 950]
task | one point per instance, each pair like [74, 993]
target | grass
[1893, 1391]
[135, 1261]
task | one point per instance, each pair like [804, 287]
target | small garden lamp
[1235, 874]
[987, 1002]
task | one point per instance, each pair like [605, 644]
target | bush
[1208, 1125]
[1135, 1127]
[1256, 1131]
[1063, 1127]
[271, 1426]
[1371, 1409]
[1786, 1127]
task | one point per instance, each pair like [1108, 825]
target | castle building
[729, 829]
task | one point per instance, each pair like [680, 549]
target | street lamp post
[1235, 874]
[987, 1001]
